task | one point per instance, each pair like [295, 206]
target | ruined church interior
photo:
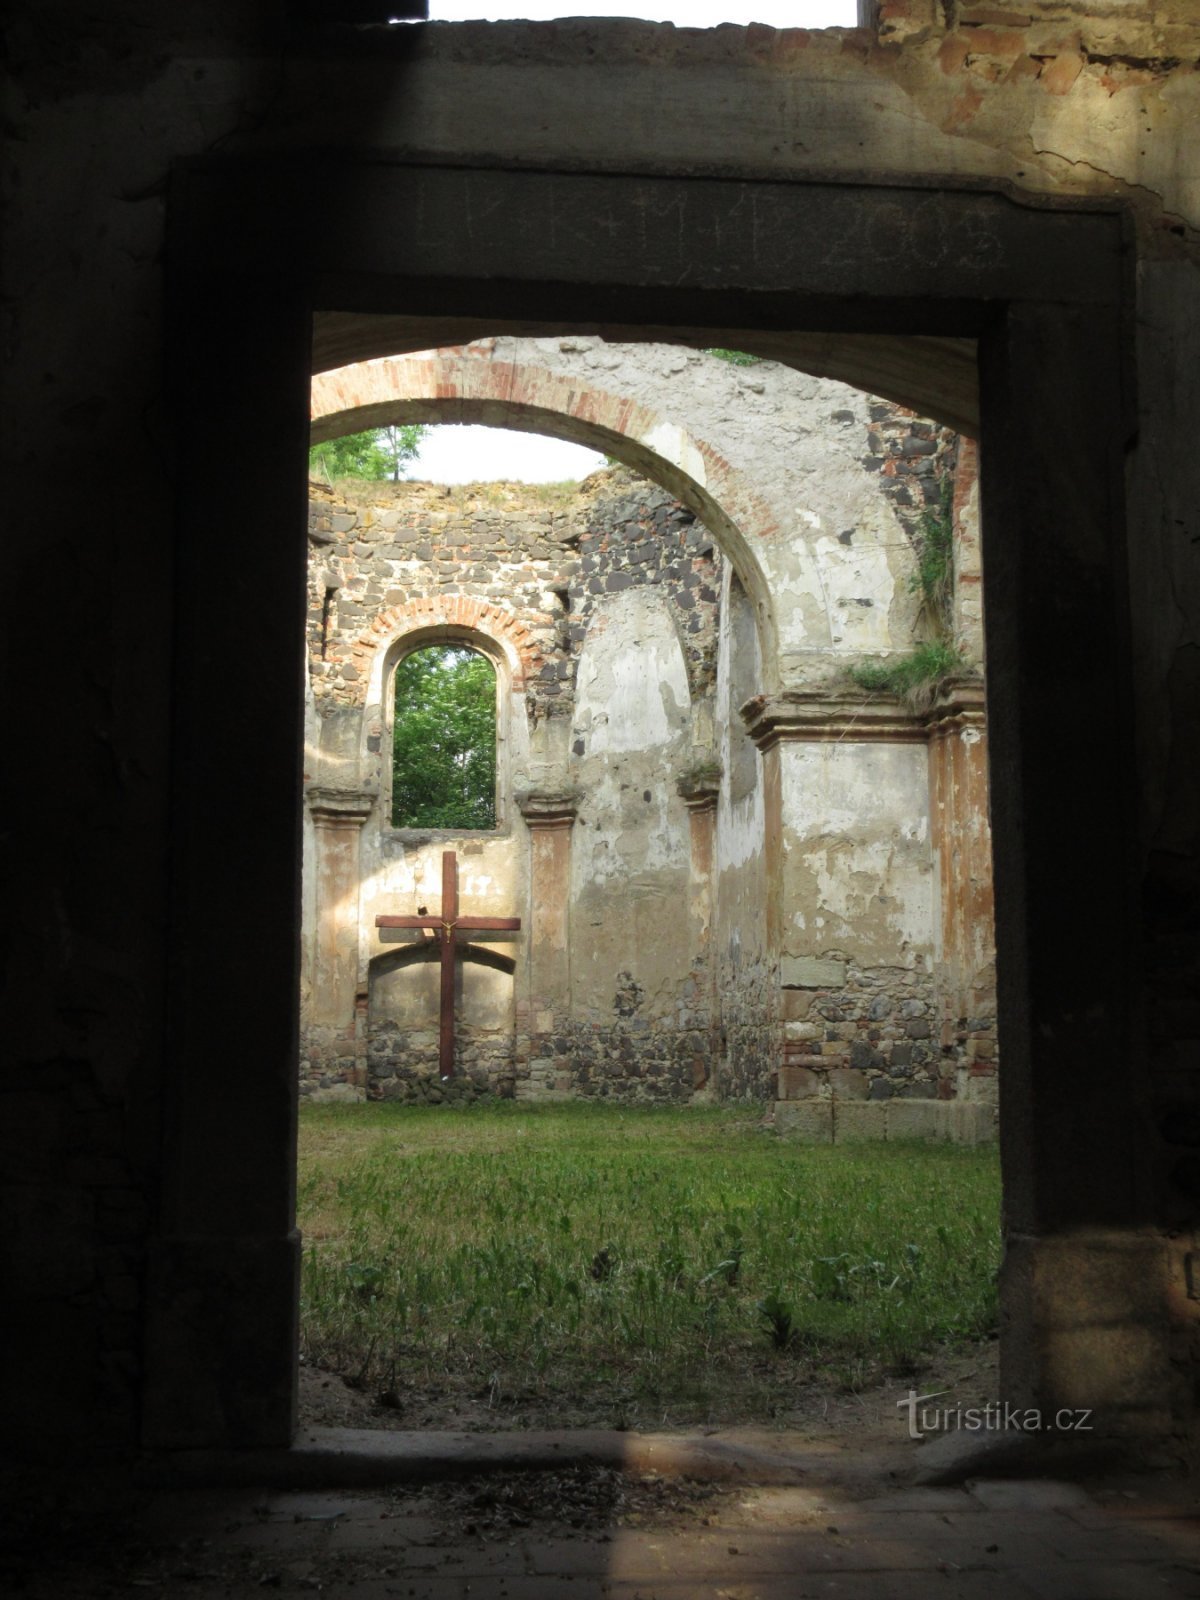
[727, 859]
[724, 891]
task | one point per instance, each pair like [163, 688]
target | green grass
[914, 676]
[590, 1263]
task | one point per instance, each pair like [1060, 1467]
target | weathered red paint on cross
[445, 927]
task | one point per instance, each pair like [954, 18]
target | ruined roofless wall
[537, 565]
[542, 556]
[534, 565]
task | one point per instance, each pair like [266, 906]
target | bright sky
[451, 453]
[683, 13]
[482, 455]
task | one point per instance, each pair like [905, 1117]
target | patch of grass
[614, 1263]
[914, 676]
[934, 578]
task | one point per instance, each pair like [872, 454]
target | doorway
[1040, 291]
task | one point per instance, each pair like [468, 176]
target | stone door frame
[1046, 292]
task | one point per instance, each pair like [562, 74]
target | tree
[377, 453]
[444, 740]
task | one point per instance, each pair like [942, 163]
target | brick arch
[466, 384]
[453, 611]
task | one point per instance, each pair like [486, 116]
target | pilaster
[338, 817]
[550, 817]
[700, 791]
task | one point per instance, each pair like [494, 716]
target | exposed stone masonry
[543, 557]
[923, 114]
[750, 1039]
[875, 1034]
[914, 458]
[634, 536]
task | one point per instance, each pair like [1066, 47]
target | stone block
[863, 1055]
[1109, 1370]
[797, 1003]
[848, 1083]
[916, 1119]
[1104, 1278]
[856, 1121]
[802, 1030]
[811, 972]
[970, 1122]
[808, 1121]
[797, 1083]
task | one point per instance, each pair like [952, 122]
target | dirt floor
[95, 1543]
[823, 1504]
[864, 1420]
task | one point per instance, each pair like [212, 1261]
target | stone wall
[627, 647]
[915, 459]
[560, 573]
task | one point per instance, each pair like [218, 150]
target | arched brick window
[444, 737]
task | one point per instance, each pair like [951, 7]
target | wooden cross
[445, 928]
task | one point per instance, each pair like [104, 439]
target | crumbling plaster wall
[746, 946]
[622, 674]
[569, 592]
[632, 988]
[790, 460]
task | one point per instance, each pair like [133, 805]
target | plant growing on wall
[917, 675]
[934, 578]
[378, 453]
[444, 740]
[736, 358]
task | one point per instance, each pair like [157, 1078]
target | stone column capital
[960, 704]
[340, 808]
[700, 787]
[543, 808]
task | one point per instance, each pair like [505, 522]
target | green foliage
[736, 358]
[658, 1266]
[378, 453]
[934, 578]
[780, 1320]
[915, 676]
[444, 740]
